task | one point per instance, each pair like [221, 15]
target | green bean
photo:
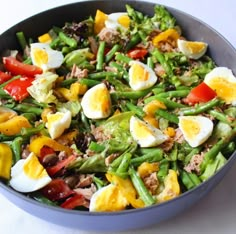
[167, 115]
[136, 109]
[187, 180]
[68, 82]
[3, 94]
[67, 40]
[155, 155]
[191, 154]
[174, 93]
[111, 53]
[140, 187]
[103, 74]
[21, 39]
[222, 117]
[120, 69]
[27, 108]
[168, 103]
[124, 165]
[99, 183]
[200, 108]
[100, 55]
[28, 132]
[158, 90]
[134, 40]
[161, 59]
[55, 43]
[130, 94]
[150, 62]
[16, 148]
[213, 152]
[163, 169]
[122, 58]
[89, 82]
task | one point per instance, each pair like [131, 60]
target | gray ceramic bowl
[221, 51]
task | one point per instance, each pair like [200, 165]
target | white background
[216, 213]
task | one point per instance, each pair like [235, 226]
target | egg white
[185, 47]
[141, 76]
[108, 198]
[58, 122]
[28, 175]
[96, 102]
[45, 57]
[223, 82]
[145, 134]
[112, 21]
[196, 129]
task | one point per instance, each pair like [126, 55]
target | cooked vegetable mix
[118, 111]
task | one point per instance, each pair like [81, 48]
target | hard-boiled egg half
[58, 122]
[108, 198]
[223, 82]
[196, 129]
[96, 102]
[192, 49]
[28, 175]
[145, 134]
[45, 57]
[141, 76]
[117, 20]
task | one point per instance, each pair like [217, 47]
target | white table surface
[216, 213]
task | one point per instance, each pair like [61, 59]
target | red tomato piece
[137, 53]
[74, 201]
[56, 190]
[60, 165]
[201, 93]
[4, 77]
[45, 150]
[18, 88]
[18, 68]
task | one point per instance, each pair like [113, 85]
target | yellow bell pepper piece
[151, 107]
[14, 125]
[6, 116]
[37, 144]
[171, 187]
[73, 93]
[170, 35]
[127, 189]
[45, 38]
[170, 132]
[147, 168]
[5, 161]
[99, 21]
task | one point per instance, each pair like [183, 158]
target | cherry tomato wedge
[137, 53]
[18, 88]
[201, 93]
[18, 68]
[74, 201]
[60, 165]
[4, 76]
[56, 190]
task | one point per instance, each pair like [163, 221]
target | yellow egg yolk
[195, 47]
[52, 118]
[33, 169]
[111, 199]
[40, 56]
[191, 128]
[101, 101]
[141, 130]
[124, 20]
[139, 73]
[223, 88]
